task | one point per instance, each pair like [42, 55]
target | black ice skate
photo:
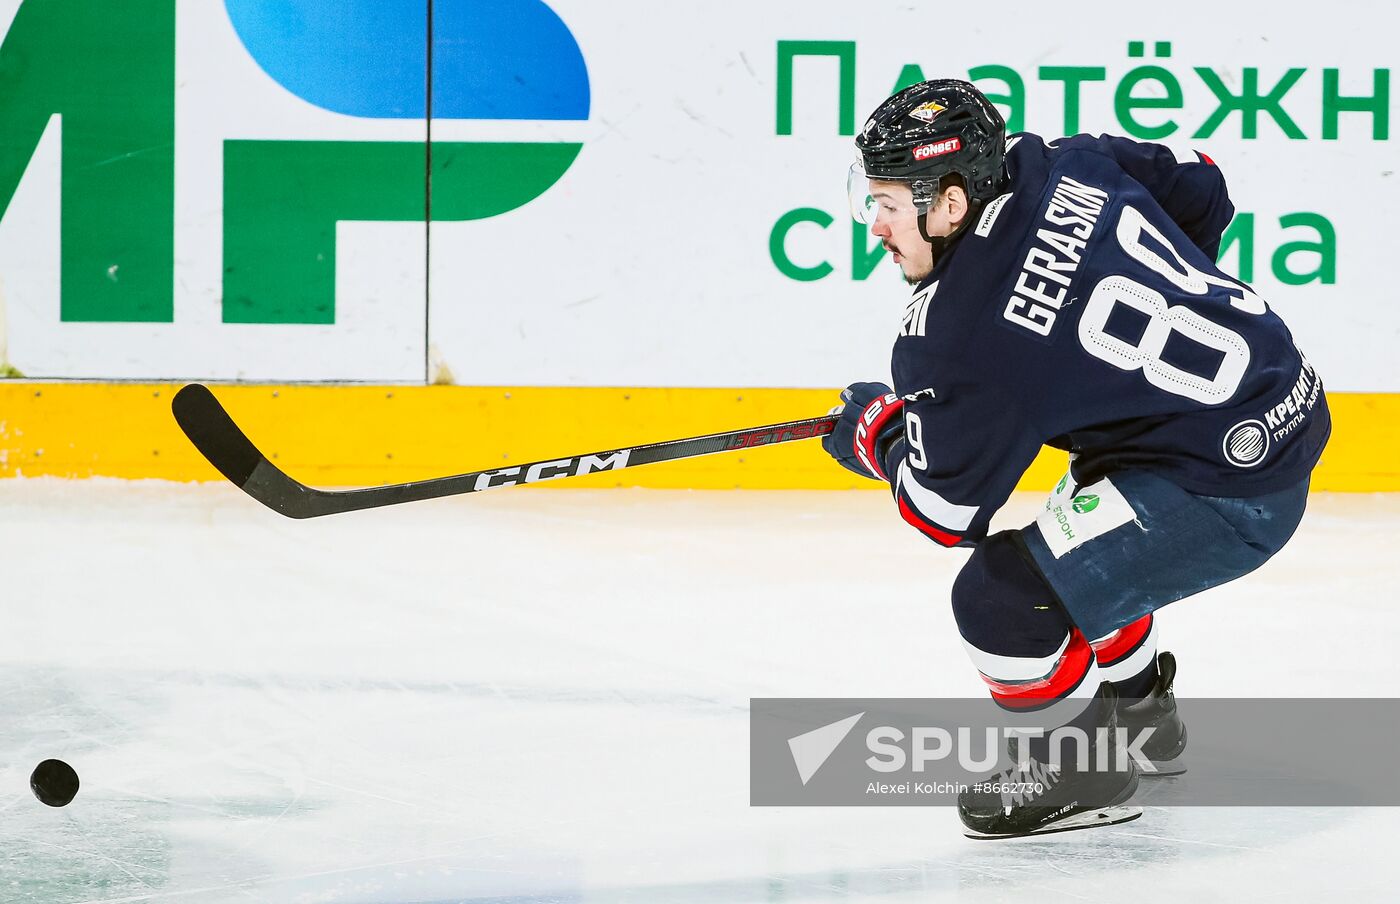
[1157, 711]
[1045, 797]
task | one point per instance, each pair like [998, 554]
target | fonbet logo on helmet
[938, 148]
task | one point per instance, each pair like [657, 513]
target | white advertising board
[621, 193]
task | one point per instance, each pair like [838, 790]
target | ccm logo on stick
[549, 470]
[938, 148]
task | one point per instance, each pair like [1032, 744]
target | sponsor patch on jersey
[1085, 504]
[1295, 408]
[938, 148]
[926, 112]
[989, 216]
[1074, 515]
[1246, 444]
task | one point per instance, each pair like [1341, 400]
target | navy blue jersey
[1083, 310]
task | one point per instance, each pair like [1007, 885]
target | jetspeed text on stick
[779, 435]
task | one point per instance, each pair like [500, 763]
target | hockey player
[1066, 294]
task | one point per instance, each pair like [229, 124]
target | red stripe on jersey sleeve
[926, 527]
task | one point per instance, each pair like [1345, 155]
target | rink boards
[356, 435]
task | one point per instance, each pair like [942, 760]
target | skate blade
[1165, 768]
[1089, 819]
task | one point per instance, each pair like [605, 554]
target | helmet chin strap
[941, 243]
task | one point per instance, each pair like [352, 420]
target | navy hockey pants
[1144, 542]
[1042, 608]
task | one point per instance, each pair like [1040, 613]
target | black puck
[54, 783]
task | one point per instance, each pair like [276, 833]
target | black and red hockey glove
[872, 421]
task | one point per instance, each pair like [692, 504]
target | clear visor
[888, 202]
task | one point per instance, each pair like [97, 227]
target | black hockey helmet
[924, 133]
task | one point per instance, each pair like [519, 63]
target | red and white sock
[1128, 657]
[1065, 679]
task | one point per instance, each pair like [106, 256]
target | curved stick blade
[214, 433]
[228, 448]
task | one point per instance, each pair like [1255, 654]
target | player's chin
[914, 275]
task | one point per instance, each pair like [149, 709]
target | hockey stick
[221, 441]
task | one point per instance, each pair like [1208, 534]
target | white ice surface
[540, 695]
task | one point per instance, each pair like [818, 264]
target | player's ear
[956, 199]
